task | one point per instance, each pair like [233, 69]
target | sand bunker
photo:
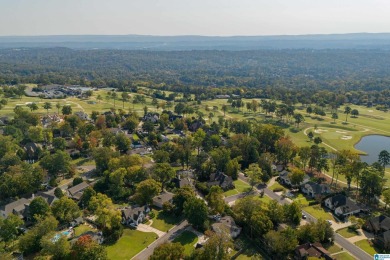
[341, 132]
[346, 137]
[319, 131]
[370, 111]
[365, 130]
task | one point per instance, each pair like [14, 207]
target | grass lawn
[347, 232]
[344, 256]
[82, 229]
[333, 249]
[365, 245]
[240, 188]
[318, 212]
[266, 199]
[302, 200]
[83, 162]
[276, 185]
[188, 240]
[163, 222]
[131, 243]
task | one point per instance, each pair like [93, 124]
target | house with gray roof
[377, 225]
[315, 190]
[226, 225]
[134, 215]
[222, 180]
[18, 207]
[162, 198]
[77, 191]
[342, 206]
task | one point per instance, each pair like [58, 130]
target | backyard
[82, 229]
[138, 241]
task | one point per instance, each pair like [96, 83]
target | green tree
[65, 210]
[66, 110]
[57, 163]
[199, 136]
[9, 228]
[33, 106]
[216, 247]
[370, 183]
[293, 213]
[39, 208]
[163, 173]
[297, 176]
[255, 174]
[58, 106]
[281, 243]
[59, 143]
[196, 212]
[354, 112]
[232, 168]
[86, 248]
[58, 193]
[30, 241]
[334, 117]
[168, 251]
[298, 119]
[181, 196]
[57, 249]
[146, 190]
[47, 106]
[215, 200]
[122, 142]
[347, 111]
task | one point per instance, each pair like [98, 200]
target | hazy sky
[195, 17]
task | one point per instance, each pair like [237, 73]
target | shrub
[311, 203]
[277, 189]
[151, 214]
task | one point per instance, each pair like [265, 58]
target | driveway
[167, 237]
[147, 228]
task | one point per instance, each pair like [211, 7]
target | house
[377, 224]
[181, 182]
[48, 196]
[309, 250]
[173, 117]
[227, 226]
[285, 178]
[134, 215]
[222, 96]
[315, 190]
[4, 121]
[82, 115]
[18, 207]
[33, 150]
[383, 240]
[77, 191]
[342, 206]
[194, 126]
[151, 117]
[77, 222]
[222, 180]
[160, 199]
[141, 151]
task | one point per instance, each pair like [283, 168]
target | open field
[344, 256]
[131, 243]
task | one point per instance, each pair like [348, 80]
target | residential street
[168, 237]
[344, 243]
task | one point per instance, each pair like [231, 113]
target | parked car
[304, 216]
[330, 222]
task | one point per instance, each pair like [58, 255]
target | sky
[192, 17]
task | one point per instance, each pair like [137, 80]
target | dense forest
[261, 73]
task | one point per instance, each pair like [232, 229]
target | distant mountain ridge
[194, 42]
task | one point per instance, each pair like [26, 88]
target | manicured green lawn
[162, 221]
[276, 185]
[344, 256]
[333, 249]
[302, 200]
[347, 232]
[82, 229]
[83, 162]
[318, 212]
[131, 243]
[240, 188]
[365, 245]
[188, 240]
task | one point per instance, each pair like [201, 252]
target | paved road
[344, 243]
[168, 237]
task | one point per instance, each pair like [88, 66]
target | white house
[314, 190]
[134, 215]
[342, 206]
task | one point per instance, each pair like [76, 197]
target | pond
[373, 145]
